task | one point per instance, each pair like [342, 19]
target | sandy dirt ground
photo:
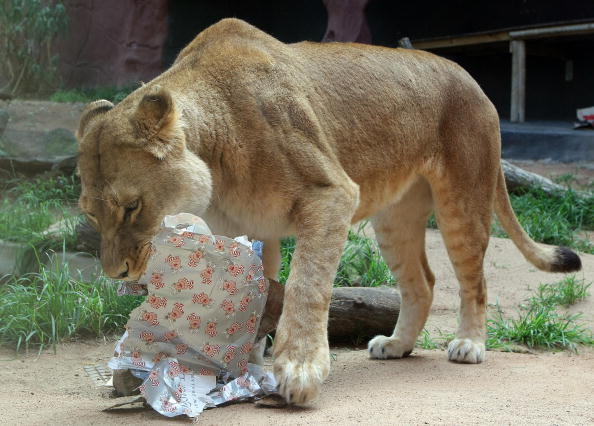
[509, 388]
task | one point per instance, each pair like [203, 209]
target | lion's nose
[117, 273]
[124, 274]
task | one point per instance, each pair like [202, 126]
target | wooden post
[518, 84]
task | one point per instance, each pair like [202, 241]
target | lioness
[271, 139]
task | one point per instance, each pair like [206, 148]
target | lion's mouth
[135, 271]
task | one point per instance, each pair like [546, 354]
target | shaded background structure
[117, 42]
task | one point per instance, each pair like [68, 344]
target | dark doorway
[289, 21]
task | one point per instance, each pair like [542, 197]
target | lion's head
[135, 168]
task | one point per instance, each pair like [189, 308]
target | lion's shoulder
[229, 34]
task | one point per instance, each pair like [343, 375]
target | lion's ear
[91, 111]
[156, 121]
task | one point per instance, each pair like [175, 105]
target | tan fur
[270, 140]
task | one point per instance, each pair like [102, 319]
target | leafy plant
[28, 29]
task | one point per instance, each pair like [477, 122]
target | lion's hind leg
[463, 207]
[400, 232]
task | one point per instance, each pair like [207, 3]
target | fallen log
[356, 313]
[519, 180]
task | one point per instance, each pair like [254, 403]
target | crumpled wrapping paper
[191, 338]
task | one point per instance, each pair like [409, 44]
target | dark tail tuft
[566, 261]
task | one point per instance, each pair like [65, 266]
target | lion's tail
[557, 259]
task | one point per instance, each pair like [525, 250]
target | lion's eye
[130, 209]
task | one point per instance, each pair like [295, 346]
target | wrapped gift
[192, 336]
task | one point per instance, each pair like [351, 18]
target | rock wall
[347, 21]
[113, 42]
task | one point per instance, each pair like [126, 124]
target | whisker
[99, 198]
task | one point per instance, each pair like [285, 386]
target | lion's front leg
[301, 351]
[271, 261]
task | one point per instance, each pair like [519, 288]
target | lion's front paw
[300, 381]
[466, 351]
[382, 347]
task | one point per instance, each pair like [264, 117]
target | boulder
[59, 143]
[39, 136]
[32, 151]
[3, 120]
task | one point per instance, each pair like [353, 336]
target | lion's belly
[375, 196]
[269, 216]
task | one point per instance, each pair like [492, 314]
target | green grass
[113, 94]
[566, 179]
[426, 341]
[62, 188]
[361, 263]
[563, 293]
[539, 324]
[287, 249]
[45, 308]
[553, 220]
[29, 207]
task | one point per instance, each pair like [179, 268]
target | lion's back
[237, 53]
[230, 45]
[355, 94]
